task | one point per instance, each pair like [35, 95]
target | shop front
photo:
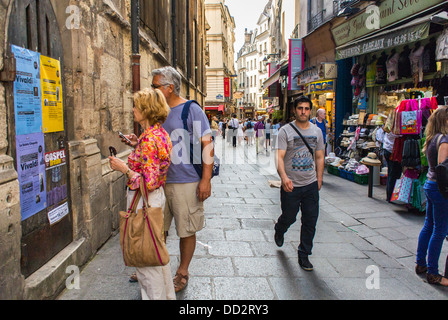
[395, 78]
[320, 86]
[214, 111]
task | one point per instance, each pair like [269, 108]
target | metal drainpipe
[135, 21]
[188, 49]
[174, 32]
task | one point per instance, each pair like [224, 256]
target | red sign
[226, 87]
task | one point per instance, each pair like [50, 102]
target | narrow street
[236, 257]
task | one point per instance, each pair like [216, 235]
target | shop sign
[296, 62]
[308, 76]
[328, 71]
[390, 11]
[393, 39]
[226, 87]
[321, 86]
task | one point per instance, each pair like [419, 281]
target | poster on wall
[30, 151]
[27, 91]
[52, 104]
[57, 214]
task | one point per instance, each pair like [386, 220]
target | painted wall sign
[393, 39]
[390, 11]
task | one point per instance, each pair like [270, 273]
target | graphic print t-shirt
[299, 164]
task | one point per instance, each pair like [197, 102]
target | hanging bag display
[402, 191]
[142, 234]
[411, 119]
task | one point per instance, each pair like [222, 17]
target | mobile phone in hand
[124, 137]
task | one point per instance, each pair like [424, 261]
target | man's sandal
[180, 282]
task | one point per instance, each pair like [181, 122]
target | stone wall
[98, 101]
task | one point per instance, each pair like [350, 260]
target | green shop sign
[384, 41]
[390, 11]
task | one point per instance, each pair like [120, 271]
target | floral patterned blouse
[151, 159]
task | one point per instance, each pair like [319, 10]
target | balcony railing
[322, 17]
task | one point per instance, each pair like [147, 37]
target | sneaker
[279, 239]
[305, 264]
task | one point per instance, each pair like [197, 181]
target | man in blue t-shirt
[321, 121]
[185, 191]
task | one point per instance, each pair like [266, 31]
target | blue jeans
[305, 199]
[435, 229]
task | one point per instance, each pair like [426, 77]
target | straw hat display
[371, 160]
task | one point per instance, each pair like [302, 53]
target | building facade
[221, 69]
[100, 53]
[252, 62]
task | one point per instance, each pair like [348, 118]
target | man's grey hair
[321, 111]
[169, 75]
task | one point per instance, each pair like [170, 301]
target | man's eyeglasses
[157, 86]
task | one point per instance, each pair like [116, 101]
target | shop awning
[410, 32]
[214, 108]
[272, 79]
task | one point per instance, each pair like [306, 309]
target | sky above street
[246, 14]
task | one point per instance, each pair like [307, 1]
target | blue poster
[27, 91]
[31, 171]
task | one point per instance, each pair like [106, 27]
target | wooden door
[33, 26]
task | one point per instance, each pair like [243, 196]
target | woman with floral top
[150, 161]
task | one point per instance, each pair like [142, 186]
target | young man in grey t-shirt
[301, 171]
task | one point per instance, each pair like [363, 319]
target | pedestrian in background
[436, 223]
[259, 134]
[240, 132]
[249, 125]
[300, 164]
[233, 129]
[214, 127]
[268, 134]
[321, 121]
[185, 190]
[149, 161]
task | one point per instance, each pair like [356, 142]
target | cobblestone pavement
[236, 257]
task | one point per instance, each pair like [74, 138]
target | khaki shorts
[183, 205]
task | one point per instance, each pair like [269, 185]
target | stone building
[220, 43]
[105, 54]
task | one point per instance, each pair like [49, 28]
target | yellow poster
[52, 104]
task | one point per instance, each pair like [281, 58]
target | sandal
[435, 279]
[180, 282]
[133, 278]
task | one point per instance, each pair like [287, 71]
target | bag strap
[144, 192]
[304, 140]
[438, 147]
[186, 113]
